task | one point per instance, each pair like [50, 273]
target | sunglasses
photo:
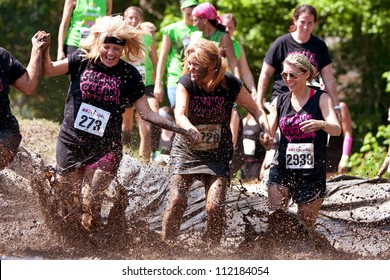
[292, 75]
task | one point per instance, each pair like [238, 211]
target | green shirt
[83, 17]
[145, 67]
[237, 49]
[179, 34]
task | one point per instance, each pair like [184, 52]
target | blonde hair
[303, 63]
[148, 26]
[208, 55]
[114, 26]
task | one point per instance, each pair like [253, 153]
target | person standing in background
[210, 27]
[134, 17]
[339, 147]
[13, 73]
[299, 40]
[176, 38]
[77, 18]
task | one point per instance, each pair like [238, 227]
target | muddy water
[352, 228]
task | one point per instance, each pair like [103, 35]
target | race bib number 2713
[91, 119]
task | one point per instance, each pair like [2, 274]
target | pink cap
[205, 10]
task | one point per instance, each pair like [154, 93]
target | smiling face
[198, 72]
[187, 15]
[305, 24]
[294, 77]
[133, 18]
[110, 54]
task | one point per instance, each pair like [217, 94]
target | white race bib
[91, 119]
[300, 155]
[211, 135]
[249, 147]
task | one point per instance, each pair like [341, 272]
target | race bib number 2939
[91, 119]
[300, 155]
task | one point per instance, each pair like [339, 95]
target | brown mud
[31, 229]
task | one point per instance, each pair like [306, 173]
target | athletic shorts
[303, 188]
[10, 137]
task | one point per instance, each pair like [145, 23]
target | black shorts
[303, 187]
[10, 137]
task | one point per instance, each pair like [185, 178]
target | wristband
[344, 160]
[347, 145]
[337, 107]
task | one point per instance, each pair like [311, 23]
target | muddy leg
[69, 196]
[93, 193]
[215, 208]
[177, 204]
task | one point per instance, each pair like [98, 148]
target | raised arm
[51, 68]
[28, 82]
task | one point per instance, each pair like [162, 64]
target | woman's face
[305, 23]
[229, 24]
[133, 18]
[198, 72]
[187, 15]
[294, 78]
[110, 54]
[199, 23]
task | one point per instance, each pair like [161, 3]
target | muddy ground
[28, 231]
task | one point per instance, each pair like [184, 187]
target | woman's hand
[194, 135]
[266, 140]
[312, 125]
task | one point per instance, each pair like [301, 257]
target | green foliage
[368, 160]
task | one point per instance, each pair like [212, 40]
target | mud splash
[135, 204]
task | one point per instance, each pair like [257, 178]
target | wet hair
[308, 9]
[114, 26]
[208, 55]
[135, 8]
[231, 17]
[303, 63]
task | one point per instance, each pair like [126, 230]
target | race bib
[211, 136]
[142, 70]
[91, 119]
[300, 155]
[249, 147]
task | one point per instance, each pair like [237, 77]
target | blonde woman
[89, 147]
[305, 117]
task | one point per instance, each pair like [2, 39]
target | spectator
[77, 18]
